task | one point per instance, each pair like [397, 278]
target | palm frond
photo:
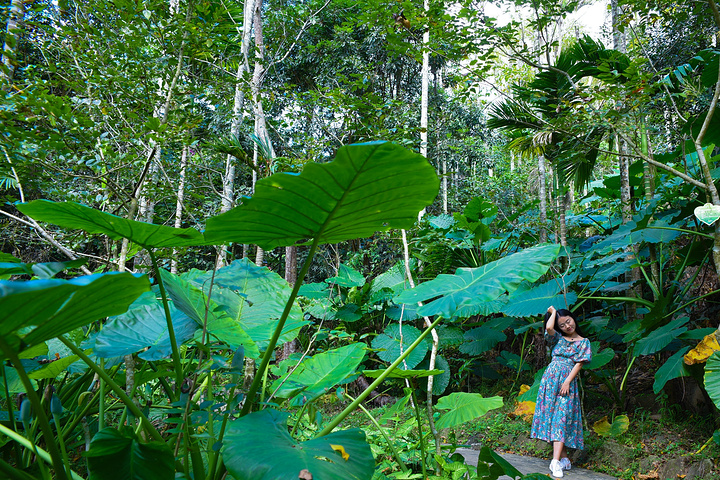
[512, 115]
[231, 145]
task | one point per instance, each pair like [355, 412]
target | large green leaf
[441, 380]
[712, 378]
[393, 279]
[674, 367]
[116, 455]
[259, 447]
[254, 298]
[55, 307]
[661, 337]
[394, 341]
[43, 270]
[347, 277]
[143, 328]
[195, 304]
[465, 293]
[54, 368]
[368, 187]
[480, 340]
[75, 215]
[316, 375]
[599, 358]
[463, 407]
[492, 466]
[535, 300]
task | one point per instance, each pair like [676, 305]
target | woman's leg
[558, 448]
[563, 452]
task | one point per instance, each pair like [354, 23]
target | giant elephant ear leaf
[712, 378]
[535, 300]
[468, 291]
[463, 407]
[117, 454]
[55, 307]
[75, 215]
[259, 447]
[367, 187]
[316, 375]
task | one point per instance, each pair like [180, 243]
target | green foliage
[259, 447]
[55, 307]
[369, 187]
[463, 407]
[116, 454]
[395, 340]
[317, 375]
[76, 216]
[712, 378]
[467, 292]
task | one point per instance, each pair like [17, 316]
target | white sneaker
[556, 468]
[565, 463]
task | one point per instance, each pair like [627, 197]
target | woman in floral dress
[557, 410]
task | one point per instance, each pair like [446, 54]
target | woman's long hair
[564, 313]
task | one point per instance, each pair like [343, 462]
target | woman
[557, 410]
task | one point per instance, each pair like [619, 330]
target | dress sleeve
[552, 340]
[583, 352]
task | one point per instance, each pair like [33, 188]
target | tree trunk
[445, 186]
[227, 200]
[179, 204]
[290, 347]
[291, 265]
[12, 35]
[619, 38]
[542, 193]
[425, 83]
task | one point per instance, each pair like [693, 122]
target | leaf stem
[339, 418]
[171, 331]
[394, 451]
[44, 455]
[115, 388]
[37, 405]
[423, 452]
[260, 374]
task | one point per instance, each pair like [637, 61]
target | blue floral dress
[558, 418]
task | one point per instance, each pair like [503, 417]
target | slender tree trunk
[433, 351]
[291, 264]
[179, 204]
[424, 87]
[543, 198]
[649, 182]
[619, 38]
[12, 35]
[445, 186]
[228, 195]
[290, 347]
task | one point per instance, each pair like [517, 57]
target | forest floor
[665, 440]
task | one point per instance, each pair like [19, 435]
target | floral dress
[558, 418]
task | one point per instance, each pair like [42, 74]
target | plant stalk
[39, 411]
[260, 374]
[171, 331]
[115, 388]
[341, 416]
[42, 454]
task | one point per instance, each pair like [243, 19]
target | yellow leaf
[339, 448]
[704, 349]
[526, 409]
[619, 426]
[524, 388]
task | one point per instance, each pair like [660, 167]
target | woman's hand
[551, 310]
[565, 388]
